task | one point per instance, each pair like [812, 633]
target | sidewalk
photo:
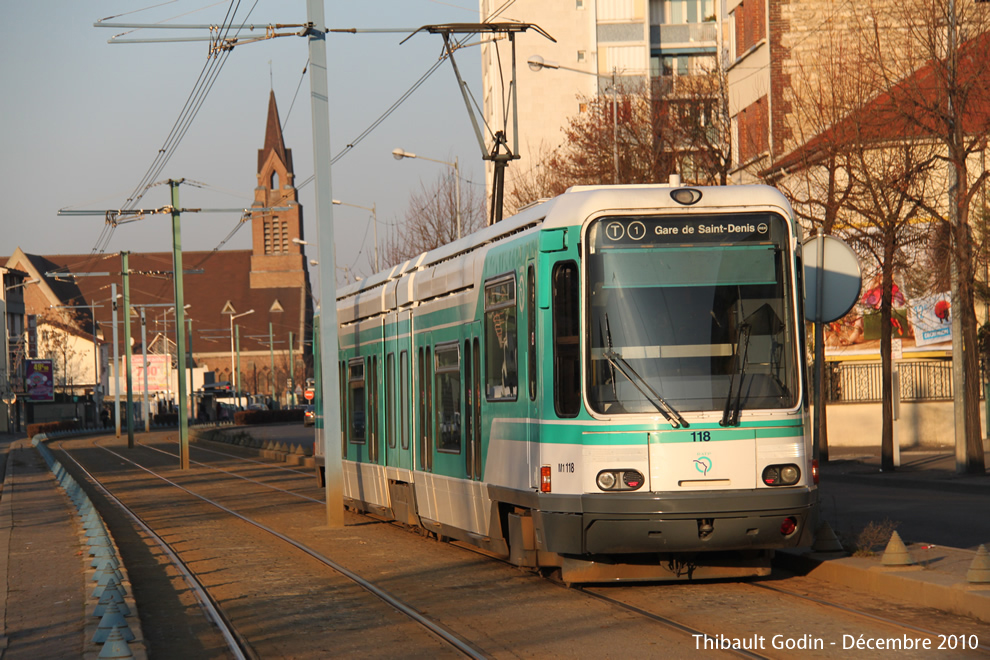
[42, 581]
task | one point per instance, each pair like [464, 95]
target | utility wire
[194, 102]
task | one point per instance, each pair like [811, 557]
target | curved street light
[399, 154]
[234, 375]
[537, 63]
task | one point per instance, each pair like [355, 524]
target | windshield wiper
[730, 415]
[619, 363]
[606, 339]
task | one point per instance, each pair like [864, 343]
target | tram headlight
[686, 196]
[781, 475]
[620, 480]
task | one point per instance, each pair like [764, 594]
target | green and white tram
[610, 383]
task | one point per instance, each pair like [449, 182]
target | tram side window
[566, 325]
[390, 399]
[531, 329]
[404, 399]
[355, 382]
[342, 378]
[372, 413]
[469, 395]
[448, 393]
[501, 344]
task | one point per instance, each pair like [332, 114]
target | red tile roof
[898, 114]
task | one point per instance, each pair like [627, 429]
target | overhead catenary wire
[194, 102]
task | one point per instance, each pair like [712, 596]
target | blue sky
[84, 119]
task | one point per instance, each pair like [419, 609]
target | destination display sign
[644, 231]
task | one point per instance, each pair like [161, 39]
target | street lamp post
[235, 377]
[399, 154]
[374, 217]
[536, 63]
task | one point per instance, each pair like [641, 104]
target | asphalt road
[922, 515]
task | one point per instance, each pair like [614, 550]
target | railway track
[241, 526]
[239, 642]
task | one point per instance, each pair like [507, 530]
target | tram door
[424, 401]
[471, 367]
[529, 341]
[399, 392]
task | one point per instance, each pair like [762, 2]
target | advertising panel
[932, 319]
[39, 380]
[157, 373]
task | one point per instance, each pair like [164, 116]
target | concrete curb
[923, 584]
[241, 437]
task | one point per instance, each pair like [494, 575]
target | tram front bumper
[648, 523]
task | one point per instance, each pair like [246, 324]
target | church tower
[276, 261]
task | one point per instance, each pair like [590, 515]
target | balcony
[697, 35]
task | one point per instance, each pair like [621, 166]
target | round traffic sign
[309, 394]
[832, 279]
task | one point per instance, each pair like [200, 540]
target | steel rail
[235, 642]
[239, 476]
[444, 634]
[860, 613]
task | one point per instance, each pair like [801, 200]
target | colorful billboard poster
[157, 373]
[932, 319]
[39, 380]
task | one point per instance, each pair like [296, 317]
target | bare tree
[639, 136]
[696, 114]
[937, 77]
[56, 330]
[889, 182]
[431, 219]
[815, 176]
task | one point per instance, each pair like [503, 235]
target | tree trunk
[886, 357]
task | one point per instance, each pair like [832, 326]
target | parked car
[309, 416]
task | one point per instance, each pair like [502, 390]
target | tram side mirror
[551, 240]
[832, 279]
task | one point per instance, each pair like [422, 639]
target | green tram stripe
[589, 434]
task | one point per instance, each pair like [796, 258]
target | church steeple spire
[276, 260]
[273, 138]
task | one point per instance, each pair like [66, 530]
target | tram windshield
[690, 313]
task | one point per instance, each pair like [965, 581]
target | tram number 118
[701, 436]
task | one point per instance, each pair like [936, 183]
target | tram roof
[573, 207]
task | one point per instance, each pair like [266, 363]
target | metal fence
[851, 382]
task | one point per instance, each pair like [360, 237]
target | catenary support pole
[180, 323]
[129, 378]
[319, 97]
[144, 353]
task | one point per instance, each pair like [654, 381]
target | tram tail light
[545, 479]
[788, 527]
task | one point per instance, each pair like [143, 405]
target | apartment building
[600, 45]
